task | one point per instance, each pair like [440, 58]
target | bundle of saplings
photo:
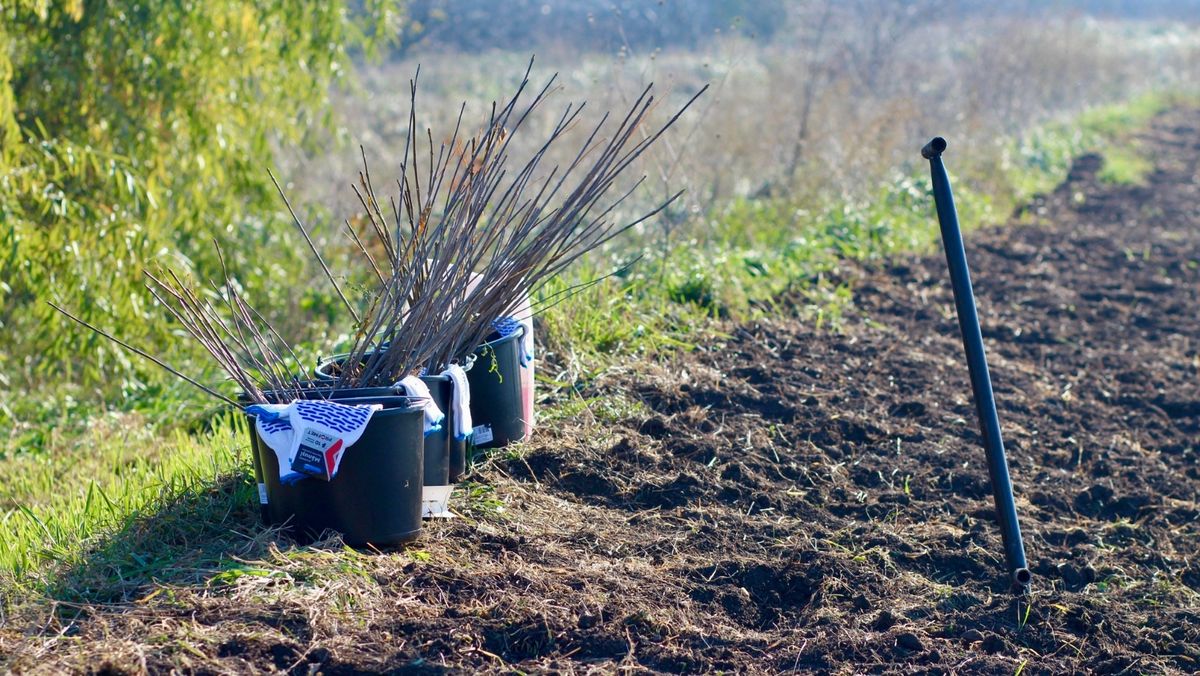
[469, 234]
[486, 232]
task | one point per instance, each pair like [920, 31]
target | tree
[135, 130]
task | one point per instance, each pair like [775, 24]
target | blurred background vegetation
[132, 132]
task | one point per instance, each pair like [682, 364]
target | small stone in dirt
[733, 472]
[972, 635]
[283, 655]
[1076, 575]
[861, 602]
[588, 620]
[736, 602]
[910, 641]
[908, 409]
[886, 620]
[1070, 574]
[654, 427]
[1092, 500]
[622, 447]
[994, 644]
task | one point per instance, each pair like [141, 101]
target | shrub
[133, 130]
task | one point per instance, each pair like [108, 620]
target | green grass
[1125, 166]
[98, 507]
[123, 505]
[1039, 161]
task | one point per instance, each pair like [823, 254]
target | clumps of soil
[794, 499]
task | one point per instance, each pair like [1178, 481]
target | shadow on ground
[182, 542]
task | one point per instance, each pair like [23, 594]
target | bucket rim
[346, 394]
[515, 335]
[468, 362]
[409, 404]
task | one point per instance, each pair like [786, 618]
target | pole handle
[934, 148]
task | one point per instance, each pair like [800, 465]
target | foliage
[1039, 160]
[1125, 167]
[139, 131]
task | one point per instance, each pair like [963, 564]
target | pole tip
[934, 148]
[1022, 577]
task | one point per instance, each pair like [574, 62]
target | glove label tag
[318, 454]
[483, 434]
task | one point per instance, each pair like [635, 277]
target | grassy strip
[122, 506]
[99, 516]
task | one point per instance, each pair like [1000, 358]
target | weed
[232, 571]
[481, 499]
[1023, 618]
[1124, 166]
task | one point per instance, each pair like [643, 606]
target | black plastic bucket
[375, 499]
[496, 405]
[445, 456]
[437, 443]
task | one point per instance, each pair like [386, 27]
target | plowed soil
[792, 499]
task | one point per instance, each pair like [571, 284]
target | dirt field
[796, 500]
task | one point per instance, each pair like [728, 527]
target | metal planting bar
[981, 380]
